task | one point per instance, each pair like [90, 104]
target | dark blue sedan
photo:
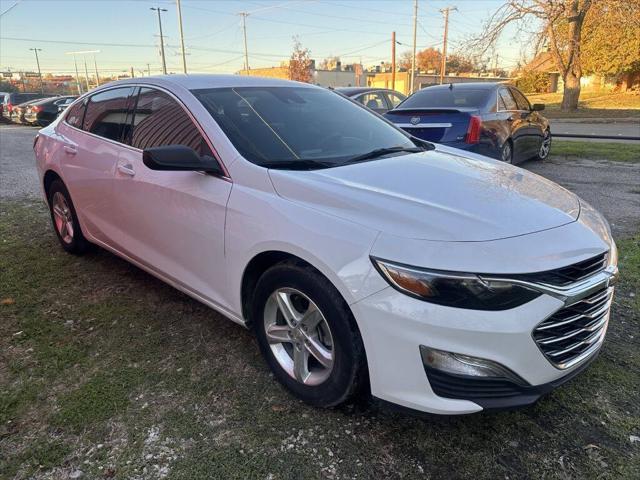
[492, 119]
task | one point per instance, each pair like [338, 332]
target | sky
[126, 32]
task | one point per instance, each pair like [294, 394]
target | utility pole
[132, 75]
[413, 56]
[244, 16]
[393, 60]
[443, 66]
[164, 63]
[184, 55]
[36, 50]
[149, 69]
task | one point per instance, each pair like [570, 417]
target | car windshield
[286, 127]
[447, 98]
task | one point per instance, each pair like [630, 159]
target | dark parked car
[43, 112]
[12, 100]
[492, 119]
[380, 100]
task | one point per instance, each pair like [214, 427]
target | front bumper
[394, 326]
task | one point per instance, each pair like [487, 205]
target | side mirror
[179, 158]
[537, 107]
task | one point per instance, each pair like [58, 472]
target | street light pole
[164, 63]
[86, 72]
[95, 66]
[36, 50]
[184, 55]
[75, 63]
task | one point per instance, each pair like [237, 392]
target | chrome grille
[564, 276]
[575, 331]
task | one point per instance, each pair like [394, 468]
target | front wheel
[545, 147]
[307, 335]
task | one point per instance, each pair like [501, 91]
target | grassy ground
[107, 371]
[591, 105]
[613, 151]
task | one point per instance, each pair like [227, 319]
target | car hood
[435, 195]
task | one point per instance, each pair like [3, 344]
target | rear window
[18, 98]
[447, 98]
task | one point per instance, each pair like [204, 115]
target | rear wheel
[64, 219]
[307, 335]
[545, 147]
[506, 153]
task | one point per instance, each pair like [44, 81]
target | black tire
[543, 153]
[506, 152]
[349, 374]
[75, 242]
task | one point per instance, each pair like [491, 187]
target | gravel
[611, 187]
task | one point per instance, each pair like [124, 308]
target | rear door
[173, 222]
[91, 136]
[535, 129]
[508, 111]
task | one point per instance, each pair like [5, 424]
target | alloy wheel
[506, 153]
[546, 146]
[299, 336]
[63, 217]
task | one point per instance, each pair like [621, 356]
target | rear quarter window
[75, 115]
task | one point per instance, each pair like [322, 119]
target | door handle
[127, 170]
[69, 150]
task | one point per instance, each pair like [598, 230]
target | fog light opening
[459, 364]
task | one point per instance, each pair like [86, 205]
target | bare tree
[561, 24]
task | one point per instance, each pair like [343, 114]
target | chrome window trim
[88, 95]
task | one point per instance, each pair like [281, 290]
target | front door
[173, 222]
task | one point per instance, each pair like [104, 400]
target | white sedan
[362, 258]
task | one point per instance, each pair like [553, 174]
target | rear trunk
[434, 124]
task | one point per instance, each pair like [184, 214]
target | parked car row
[33, 108]
[492, 119]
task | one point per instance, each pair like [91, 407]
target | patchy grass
[106, 370]
[612, 151]
[592, 105]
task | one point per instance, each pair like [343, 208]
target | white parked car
[362, 258]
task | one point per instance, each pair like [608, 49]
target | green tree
[611, 36]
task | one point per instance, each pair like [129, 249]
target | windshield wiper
[300, 164]
[379, 152]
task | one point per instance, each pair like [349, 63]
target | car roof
[467, 85]
[201, 81]
[350, 91]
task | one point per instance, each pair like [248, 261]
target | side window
[394, 99]
[506, 100]
[74, 117]
[106, 113]
[159, 120]
[374, 101]
[521, 100]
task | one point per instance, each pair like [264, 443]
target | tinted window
[373, 100]
[18, 98]
[439, 97]
[506, 101]
[521, 101]
[106, 113]
[271, 124]
[160, 120]
[74, 117]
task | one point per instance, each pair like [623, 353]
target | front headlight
[454, 289]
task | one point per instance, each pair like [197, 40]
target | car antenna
[451, 86]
